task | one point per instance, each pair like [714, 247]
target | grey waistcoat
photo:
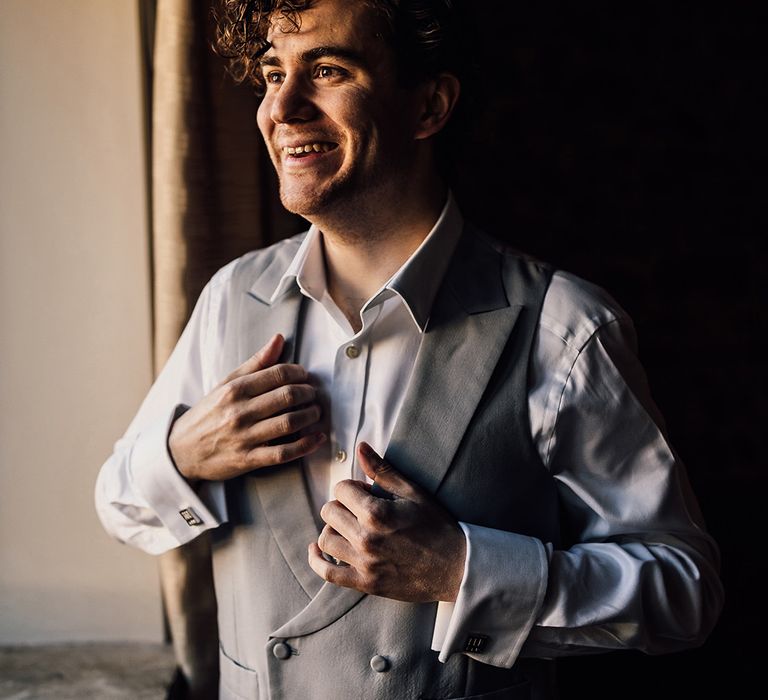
[463, 433]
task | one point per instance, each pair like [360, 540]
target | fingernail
[320, 437]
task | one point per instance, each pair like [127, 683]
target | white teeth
[307, 148]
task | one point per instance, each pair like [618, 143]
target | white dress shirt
[587, 395]
[363, 377]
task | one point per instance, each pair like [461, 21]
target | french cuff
[181, 510]
[501, 594]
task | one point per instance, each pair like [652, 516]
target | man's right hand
[231, 430]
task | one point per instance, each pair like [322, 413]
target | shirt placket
[348, 399]
[346, 402]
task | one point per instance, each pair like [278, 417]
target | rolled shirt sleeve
[636, 568]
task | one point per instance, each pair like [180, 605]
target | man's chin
[324, 200]
[304, 204]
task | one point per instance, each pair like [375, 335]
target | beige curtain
[212, 198]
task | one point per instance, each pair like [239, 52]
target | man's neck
[361, 255]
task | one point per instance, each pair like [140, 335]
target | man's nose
[292, 101]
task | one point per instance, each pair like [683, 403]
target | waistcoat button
[379, 664]
[281, 650]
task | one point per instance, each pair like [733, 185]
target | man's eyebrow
[333, 52]
[313, 54]
[270, 61]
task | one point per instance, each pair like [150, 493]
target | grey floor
[78, 671]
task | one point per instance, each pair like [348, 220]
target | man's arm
[140, 495]
[162, 487]
[637, 569]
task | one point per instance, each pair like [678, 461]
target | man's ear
[440, 96]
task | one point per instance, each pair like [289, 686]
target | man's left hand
[408, 548]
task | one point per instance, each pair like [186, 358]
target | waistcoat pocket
[236, 682]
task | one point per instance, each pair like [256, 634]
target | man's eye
[329, 72]
[274, 77]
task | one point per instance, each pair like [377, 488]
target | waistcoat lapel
[467, 331]
[281, 490]
[330, 604]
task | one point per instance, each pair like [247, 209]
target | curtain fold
[209, 167]
[213, 197]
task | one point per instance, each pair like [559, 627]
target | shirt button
[379, 664]
[281, 651]
[352, 351]
[341, 455]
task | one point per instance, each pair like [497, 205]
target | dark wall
[624, 143]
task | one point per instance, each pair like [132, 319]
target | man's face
[338, 127]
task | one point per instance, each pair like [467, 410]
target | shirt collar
[416, 282]
[306, 270]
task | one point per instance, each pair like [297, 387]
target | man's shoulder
[573, 308]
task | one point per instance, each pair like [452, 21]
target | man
[527, 504]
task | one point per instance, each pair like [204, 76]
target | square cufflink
[191, 517]
[476, 643]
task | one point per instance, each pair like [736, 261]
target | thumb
[265, 357]
[387, 481]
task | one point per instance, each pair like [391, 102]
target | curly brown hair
[426, 35]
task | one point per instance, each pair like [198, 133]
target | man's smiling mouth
[305, 149]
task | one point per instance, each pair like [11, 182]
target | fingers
[384, 475]
[271, 455]
[339, 574]
[342, 521]
[332, 543]
[261, 372]
[279, 413]
[268, 379]
[267, 356]
[355, 496]
[283, 425]
[284, 398]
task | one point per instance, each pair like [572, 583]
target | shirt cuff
[181, 510]
[501, 594]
